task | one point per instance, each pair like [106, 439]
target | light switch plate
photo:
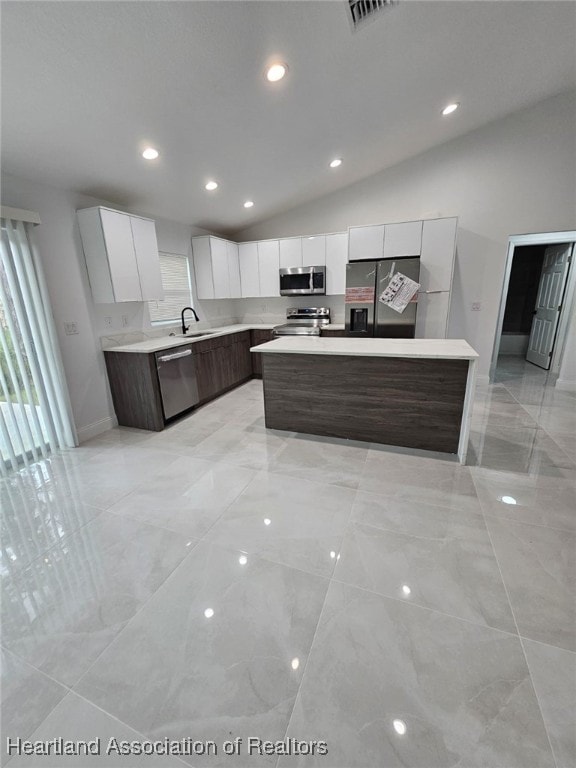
[476, 306]
[71, 329]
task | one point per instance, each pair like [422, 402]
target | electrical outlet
[476, 306]
[108, 322]
[125, 321]
[71, 329]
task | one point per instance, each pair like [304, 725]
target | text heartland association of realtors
[187, 746]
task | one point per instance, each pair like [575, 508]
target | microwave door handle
[311, 279]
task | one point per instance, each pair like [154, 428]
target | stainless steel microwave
[302, 281]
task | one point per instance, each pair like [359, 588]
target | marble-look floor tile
[445, 485]
[553, 672]
[322, 459]
[218, 652]
[295, 522]
[536, 499]
[27, 697]
[460, 693]
[75, 719]
[537, 565]
[244, 447]
[553, 418]
[61, 611]
[454, 571]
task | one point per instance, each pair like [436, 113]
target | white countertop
[164, 342]
[445, 349]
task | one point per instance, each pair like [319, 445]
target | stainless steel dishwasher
[177, 377]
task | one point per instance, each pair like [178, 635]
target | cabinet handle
[174, 356]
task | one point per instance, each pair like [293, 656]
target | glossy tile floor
[218, 580]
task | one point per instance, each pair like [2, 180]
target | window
[175, 270]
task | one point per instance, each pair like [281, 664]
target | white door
[249, 273]
[147, 258]
[548, 304]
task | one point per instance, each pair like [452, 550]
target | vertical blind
[175, 270]
[35, 413]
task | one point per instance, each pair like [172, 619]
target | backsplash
[273, 310]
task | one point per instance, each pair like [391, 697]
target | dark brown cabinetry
[332, 332]
[222, 363]
[259, 337]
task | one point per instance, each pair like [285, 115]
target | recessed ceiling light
[211, 185]
[509, 500]
[209, 612]
[450, 108]
[276, 72]
[150, 153]
[336, 162]
[248, 204]
[399, 727]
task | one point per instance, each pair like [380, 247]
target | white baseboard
[96, 428]
[566, 384]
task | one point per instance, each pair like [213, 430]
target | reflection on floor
[218, 580]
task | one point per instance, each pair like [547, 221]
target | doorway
[537, 298]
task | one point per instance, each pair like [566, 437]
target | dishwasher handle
[174, 356]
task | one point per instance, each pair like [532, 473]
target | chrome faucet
[185, 327]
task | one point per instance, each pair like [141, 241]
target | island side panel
[410, 402]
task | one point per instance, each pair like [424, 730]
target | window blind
[175, 270]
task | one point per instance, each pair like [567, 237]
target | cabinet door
[249, 273]
[336, 258]
[291, 252]
[403, 239]
[268, 265]
[220, 277]
[233, 270]
[202, 267]
[314, 251]
[147, 258]
[432, 315]
[437, 254]
[366, 242]
[121, 255]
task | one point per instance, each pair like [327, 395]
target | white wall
[59, 245]
[510, 177]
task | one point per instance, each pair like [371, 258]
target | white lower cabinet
[336, 259]
[268, 266]
[432, 315]
[121, 255]
[249, 272]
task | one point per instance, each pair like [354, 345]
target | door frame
[540, 238]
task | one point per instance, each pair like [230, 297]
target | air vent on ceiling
[365, 10]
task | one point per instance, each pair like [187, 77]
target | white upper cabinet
[437, 254]
[366, 243]
[268, 265]
[291, 252]
[121, 256]
[147, 259]
[201, 254]
[233, 270]
[404, 239]
[336, 258]
[314, 251]
[220, 273]
[249, 271]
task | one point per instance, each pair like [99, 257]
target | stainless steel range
[304, 321]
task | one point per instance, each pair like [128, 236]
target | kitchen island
[414, 393]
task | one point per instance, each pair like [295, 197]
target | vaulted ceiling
[87, 85]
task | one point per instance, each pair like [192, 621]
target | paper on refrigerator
[399, 292]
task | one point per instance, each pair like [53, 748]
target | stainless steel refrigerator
[367, 316]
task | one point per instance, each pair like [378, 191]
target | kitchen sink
[192, 335]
